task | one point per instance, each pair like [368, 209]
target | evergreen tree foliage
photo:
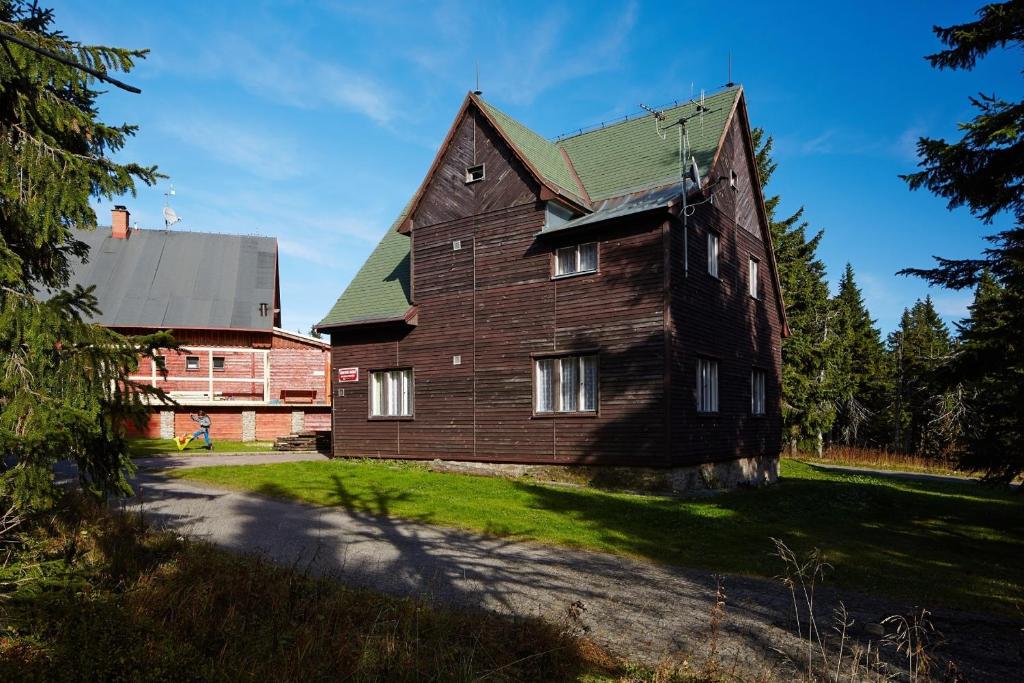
[63, 387]
[919, 351]
[984, 171]
[861, 369]
[808, 354]
[991, 411]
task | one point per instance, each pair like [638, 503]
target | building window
[707, 385]
[713, 254]
[218, 363]
[391, 393]
[752, 277]
[161, 363]
[567, 384]
[474, 173]
[577, 259]
[191, 362]
[757, 403]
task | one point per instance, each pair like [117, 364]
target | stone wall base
[712, 476]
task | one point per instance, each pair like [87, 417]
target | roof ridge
[192, 232]
[627, 118]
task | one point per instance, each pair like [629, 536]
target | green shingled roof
[630, 155]
[380, 290]
[610, 161]
[543, 154]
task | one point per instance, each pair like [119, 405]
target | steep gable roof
[177, 280]
[545, 156]
[380, 290]
[630, 155]
[586, 168]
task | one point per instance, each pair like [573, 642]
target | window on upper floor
[391, 393]
[757, 396]
[218, 363]
[192, 363]
[713, 254]
[474, 173]
[707, 385]
[576, 260]
[752, 277]
[565, 384]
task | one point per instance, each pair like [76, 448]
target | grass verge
[88, 596]
[141, 448]
[940, 544]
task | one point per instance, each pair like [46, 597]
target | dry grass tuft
[92, 596]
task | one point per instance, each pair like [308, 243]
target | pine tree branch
[69, 62]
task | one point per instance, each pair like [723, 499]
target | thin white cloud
[952, 305]
[547, 57]
[258, 152]
[289, 75]
[304, 251]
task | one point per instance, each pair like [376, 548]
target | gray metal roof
[623, 205]
[177, 280]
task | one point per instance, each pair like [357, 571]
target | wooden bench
[298, 395]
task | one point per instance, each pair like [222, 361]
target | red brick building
[573, 301]
[220, 297]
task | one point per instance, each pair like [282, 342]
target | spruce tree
[920, 350]
[991, 407]
[984, 171]
[861, 369]
[808, 354]
[63, 386]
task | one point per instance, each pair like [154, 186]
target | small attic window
[474, 173]
[733, 179]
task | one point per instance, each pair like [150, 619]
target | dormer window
[474, 173]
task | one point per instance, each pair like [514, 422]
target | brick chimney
[119, 223]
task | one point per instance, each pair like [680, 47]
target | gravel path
[635, 609]
[160, 462]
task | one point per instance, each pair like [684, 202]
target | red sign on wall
[348, 374]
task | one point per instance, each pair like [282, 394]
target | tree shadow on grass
[635, 608]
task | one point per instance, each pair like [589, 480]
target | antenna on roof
[170, 216]
[478, 91]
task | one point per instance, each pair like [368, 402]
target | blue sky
[315, 122]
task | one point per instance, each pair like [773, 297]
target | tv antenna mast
[170, 215]
[689, 173]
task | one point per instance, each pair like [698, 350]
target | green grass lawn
[940, 544]
[141, 448]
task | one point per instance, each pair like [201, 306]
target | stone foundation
[713, 476]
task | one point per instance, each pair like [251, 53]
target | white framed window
[577, 259]
[191, 363]
[391, 393]
[474, 173]
[712, 254]
[757, 402]
[565, 384]
[752, 273]
[218, 363]
[707, 385]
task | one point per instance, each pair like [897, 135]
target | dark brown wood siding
[493, 303]
[718, 319]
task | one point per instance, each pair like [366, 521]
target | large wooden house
[220, 297]
[571, 301]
